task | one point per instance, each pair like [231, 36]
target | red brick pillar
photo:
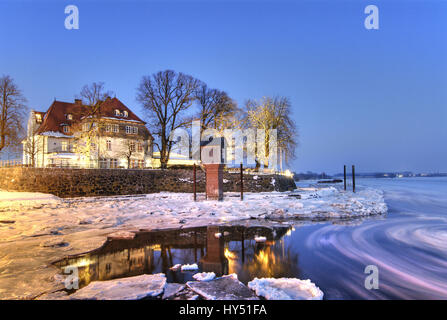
[214, 181]
[214, 260]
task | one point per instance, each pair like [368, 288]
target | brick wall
[96, 182]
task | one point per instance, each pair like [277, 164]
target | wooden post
[194, 184]
[242, 182]
[353, 178]
[344, 179]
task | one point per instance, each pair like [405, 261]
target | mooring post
[353, 178]
[242, 182]
[194, 185]
[344, 179]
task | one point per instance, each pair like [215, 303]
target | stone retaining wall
[96, 182]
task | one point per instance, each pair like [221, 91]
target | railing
[11, 163]
[73, 164]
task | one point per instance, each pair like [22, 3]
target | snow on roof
[55, 134]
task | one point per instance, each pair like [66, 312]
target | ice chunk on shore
[204, 276]
[132, 288]
[225, 288]
[286, 289]
[172, 289]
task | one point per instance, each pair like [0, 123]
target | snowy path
[36, 229]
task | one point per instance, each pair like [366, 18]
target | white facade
[123, 146]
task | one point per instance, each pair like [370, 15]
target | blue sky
[374, 98]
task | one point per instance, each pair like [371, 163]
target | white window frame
[64, 146]
[65, 129]
[128, 129]
[117, 113]
[126, 114]
[135, 130]
[115, 128]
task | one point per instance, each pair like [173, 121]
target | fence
[11, 163]
[93, 164]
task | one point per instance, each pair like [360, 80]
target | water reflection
[219, 249]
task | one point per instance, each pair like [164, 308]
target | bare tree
[273, 113]
[13, 112]
[93, 95]
[128, 149]
[32, 146]
[166, 95]
[89, 128]
[216, 108]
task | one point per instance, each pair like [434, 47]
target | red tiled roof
[56, 115]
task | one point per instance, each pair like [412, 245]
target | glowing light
[288, 173]
[230, 255]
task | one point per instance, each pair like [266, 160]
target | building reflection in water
[235, 251]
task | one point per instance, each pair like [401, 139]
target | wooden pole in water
[242, 182]
[344, 179]
[194, 185]
[353, 178]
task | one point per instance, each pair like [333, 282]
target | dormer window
[126, 114]
[65, 129]
[117, 112]
[69, 116]
[38, 118]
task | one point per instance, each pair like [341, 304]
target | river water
[408, 246]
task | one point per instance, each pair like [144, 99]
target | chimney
[78, 102]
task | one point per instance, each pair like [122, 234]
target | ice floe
[285, 289]
[204, 276]
[132, 288]
[190, 267]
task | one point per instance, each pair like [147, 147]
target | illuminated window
[64, 146]
[38, 118]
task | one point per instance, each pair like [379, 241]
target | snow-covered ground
[36, 229]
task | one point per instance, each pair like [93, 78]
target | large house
[76, 135]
